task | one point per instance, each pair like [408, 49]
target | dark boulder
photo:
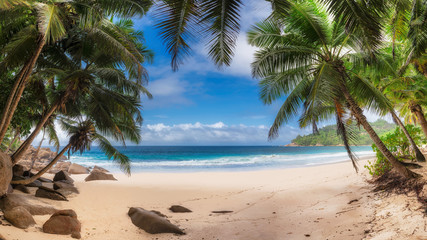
[28, 174]
[19, 217]
[35, 183]
[44, 180]
[65, 188]
[151, 222]
[63, 222]
[94, 176]
[179, 209]
[49, 193]
[21, 188]
[62, 176]
[18, 170]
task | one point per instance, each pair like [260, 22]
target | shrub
[398, 144]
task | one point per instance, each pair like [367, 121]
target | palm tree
[82, 135]
[301, 56]
[45, 23]
[412, 98]
[218, 22]
[77, 74]
[385, 74]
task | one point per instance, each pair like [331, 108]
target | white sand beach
[302, 203]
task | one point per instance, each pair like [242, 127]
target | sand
[320, 202]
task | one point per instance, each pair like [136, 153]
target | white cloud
[212, 134]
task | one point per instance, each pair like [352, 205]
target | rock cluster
[43, 158]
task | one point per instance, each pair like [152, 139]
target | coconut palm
[82, 135]
[24, 23]
[412, 99]
[218, 21]
[83, 66]
[302, 56]
[385, 75]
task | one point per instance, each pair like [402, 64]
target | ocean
[218, 158]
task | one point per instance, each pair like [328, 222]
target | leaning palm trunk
[358, 113]
[34, 158]
[419, 156]
[27, 143]
[18, 89]
[45, 169]
[418, 111]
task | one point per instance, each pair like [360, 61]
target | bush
[398, 144]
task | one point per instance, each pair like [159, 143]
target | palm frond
[177, 22]
[111, 152]
[222, 20]
[50, 21]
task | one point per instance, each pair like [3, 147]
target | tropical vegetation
[398, 143]
[327, 136]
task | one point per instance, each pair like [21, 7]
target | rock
[5, 173]
[45, 154]
[76, 235]
[65, 188]
[62, 176]
[423, 193]
[27, 174]
[14, 200]
[44, 180]
[10, 189]
[21, 188]
[60, 166]
[77, 169]
[36, 183]
[151, 222]
[179, 209]
[45, 192]
[222, 211]
[63, 222]
[18, 170]
[19, 217]
[93, 176]
[99, 169]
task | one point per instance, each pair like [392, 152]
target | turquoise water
[219, 158]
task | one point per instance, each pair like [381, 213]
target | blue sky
[201, 105]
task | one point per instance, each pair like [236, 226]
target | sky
[201, 105]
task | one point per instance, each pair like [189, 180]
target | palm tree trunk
[18, 89]
[13, 141]
[358, 113]
[33, 160]
[419, 156]
[418, 111]
[44, 170]
[27, 143]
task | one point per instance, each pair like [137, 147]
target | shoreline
[266, 204]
